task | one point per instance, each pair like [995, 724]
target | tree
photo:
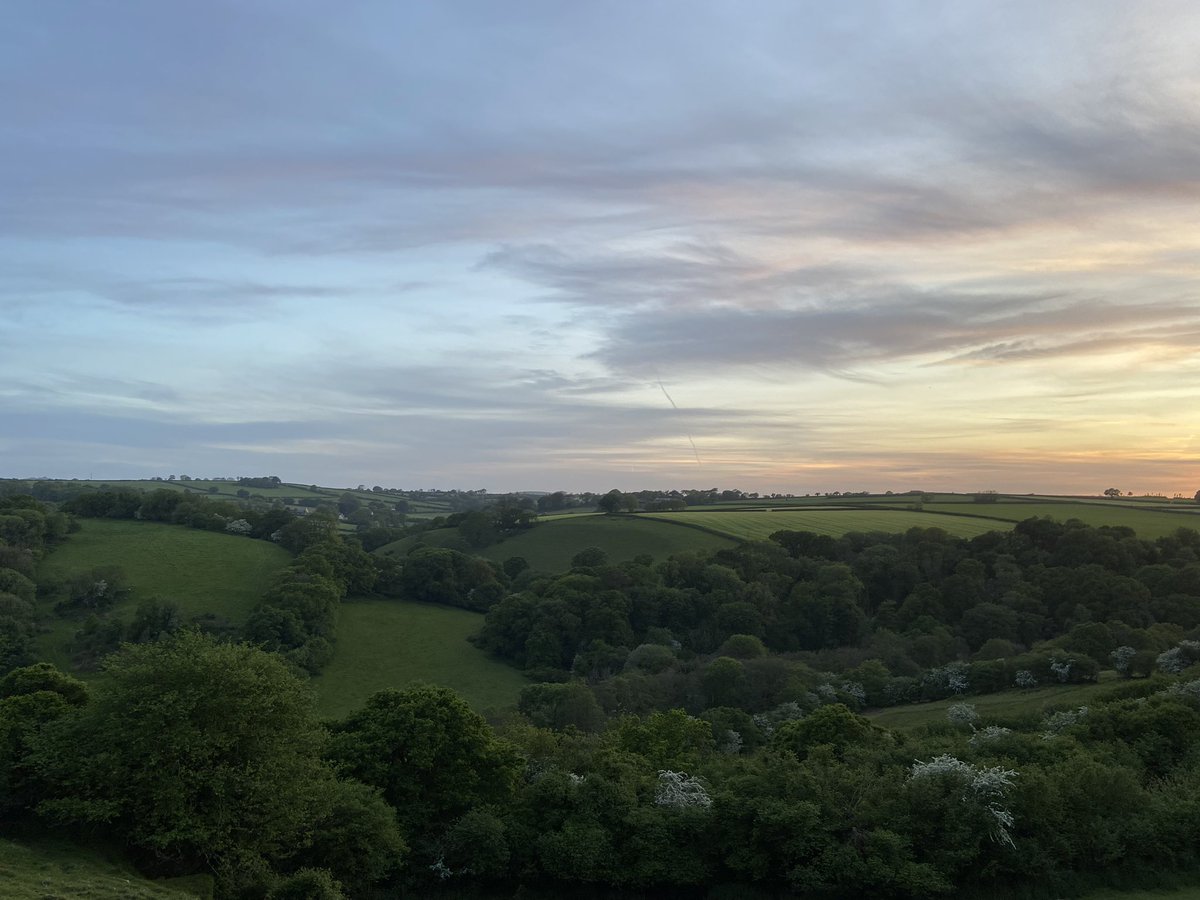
[29, 699]
[315, 528]
[724, 682]
[193, 751]
[1112, 492]
[433, 757]
[589, 558]
[442, 575]
[559, 706]
[834, 725]
[612, 502]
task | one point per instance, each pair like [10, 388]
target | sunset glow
[549, 246]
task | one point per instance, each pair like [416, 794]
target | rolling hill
[759, 524]
[550, 544]
[50, 871]
[202, 571]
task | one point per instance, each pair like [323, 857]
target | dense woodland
[690, 723]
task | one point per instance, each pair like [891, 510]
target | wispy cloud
[445, 239]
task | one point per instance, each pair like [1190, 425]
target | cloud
[449, 239]
[947, 328]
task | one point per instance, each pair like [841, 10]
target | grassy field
[53, 872]
[390, 644]
[1148, 523]
[758, 525]
[200, 570]
[549, 546]
[1002, 705]
[438, 537]
[1187, 893]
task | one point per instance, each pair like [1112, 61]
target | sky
[774, 246]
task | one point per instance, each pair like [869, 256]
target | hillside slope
[549, 545]
[49, 872]
[202, 571]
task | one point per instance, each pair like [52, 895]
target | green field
[52, 872]
[758, 525]
[392, 643]
[1005, 704]
[1148, 523]
[202, 571]
[1188, 893]
[549, 545]
[438, 537]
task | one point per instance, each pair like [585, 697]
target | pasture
[438, 537]
[549, 545]
[202, 571]
[48, 871]
[392, 643]
[1148, 523]
[1184, 893]
[1003, 705]
[758, 525]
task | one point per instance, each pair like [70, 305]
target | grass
[1187, 893]
[391, 643]
[202, 571]
[1148, 523]
[549, 546]
[438, 537]
[758, 525]
[1005, 704]
[53, 872]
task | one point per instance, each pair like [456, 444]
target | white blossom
[1189, 690]
[1026, 679]
[962, 714]
[1057, 723]
[785, 712]
[441, 870]
[239, 526]
[680, 789]
[984, 786]
[1062, 668]
[988, 735]
[1121, 658]
[1179, 657]
[951, 678]
[855, 691]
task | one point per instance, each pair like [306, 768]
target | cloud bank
[951, 245]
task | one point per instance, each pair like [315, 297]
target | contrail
[676, 408]
[665, 394]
